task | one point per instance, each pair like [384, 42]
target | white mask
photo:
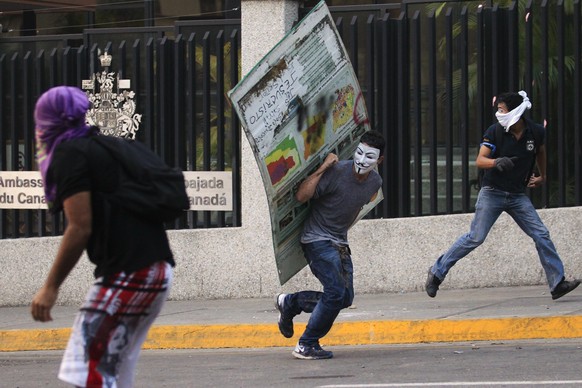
[508, 119]
[365, 158]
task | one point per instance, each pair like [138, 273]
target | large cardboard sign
[298, 104]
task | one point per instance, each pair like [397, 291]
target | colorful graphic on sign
[283, 160]
[344, 107]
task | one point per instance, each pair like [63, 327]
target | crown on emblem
[105, 59]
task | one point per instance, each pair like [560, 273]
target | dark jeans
[332, 265]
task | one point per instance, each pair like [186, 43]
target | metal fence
[180, 77]
[428, 73]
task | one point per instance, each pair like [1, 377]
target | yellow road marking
[342, 333]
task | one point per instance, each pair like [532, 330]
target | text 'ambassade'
[207, 190]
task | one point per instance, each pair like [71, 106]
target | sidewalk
[487, 314]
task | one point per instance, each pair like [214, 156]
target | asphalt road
[539, 363]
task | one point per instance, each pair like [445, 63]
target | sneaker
[285, 324]
[564, 287]
[432, 284]
[309, 352]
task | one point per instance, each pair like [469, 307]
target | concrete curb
[343, 333]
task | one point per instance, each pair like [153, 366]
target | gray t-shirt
[338, 199]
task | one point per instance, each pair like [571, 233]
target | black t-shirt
[513, 181]
[120, 241]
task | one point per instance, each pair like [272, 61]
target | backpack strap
[493, 147]
[499, 130]
[498, 140]
[536, 133]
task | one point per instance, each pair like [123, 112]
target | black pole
[149, 13]
[28, 23]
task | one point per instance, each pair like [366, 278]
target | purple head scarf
[59, 116]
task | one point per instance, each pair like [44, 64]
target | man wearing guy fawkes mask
[508, 162]
[338, 190]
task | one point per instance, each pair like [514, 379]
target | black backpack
[147, 185]
[499, 130]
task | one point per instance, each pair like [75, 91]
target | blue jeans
[490, 204]
[333, 267]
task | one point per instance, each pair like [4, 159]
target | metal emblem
[113, 108]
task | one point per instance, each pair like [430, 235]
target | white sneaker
[315, 352]
[285, 324]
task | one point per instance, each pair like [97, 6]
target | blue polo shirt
[513, 181]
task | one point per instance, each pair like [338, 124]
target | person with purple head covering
[132, 255]
[59, 116]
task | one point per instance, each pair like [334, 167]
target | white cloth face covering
[508, 119]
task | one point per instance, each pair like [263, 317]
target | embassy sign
[21, 190]
[113, 111]
[207, 190]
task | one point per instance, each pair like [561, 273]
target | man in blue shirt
[508, 153]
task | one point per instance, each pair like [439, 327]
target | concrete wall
[389, 255]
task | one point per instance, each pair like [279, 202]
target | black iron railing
[428, 74]
[180, 78]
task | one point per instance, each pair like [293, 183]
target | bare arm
[78, 212]
[483, 160]
[308, 186]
